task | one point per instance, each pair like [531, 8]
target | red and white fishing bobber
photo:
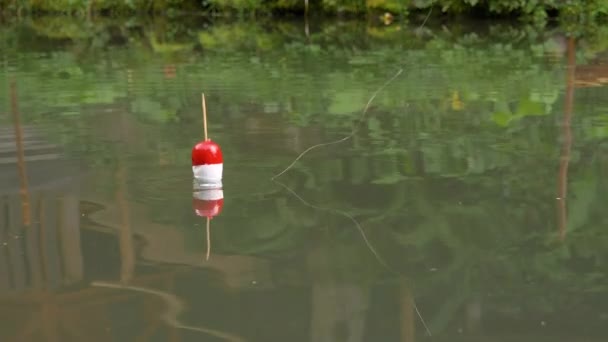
[208, 203]
[207, 160]
[207, 165]
[207, 168]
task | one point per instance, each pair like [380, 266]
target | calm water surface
[472, 194]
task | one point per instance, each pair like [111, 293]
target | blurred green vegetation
[580, 12]
[455, 170]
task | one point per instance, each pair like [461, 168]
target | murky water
[472, 193]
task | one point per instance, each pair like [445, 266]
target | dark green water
[474, 186]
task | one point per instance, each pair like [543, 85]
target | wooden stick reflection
[23, 185]
[562, 189]
[208, 240]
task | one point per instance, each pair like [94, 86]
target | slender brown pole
[562, 189]
[204, 116]
[23, 184]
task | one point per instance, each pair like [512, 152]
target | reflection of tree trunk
[408, 328]
[44, 261]
[306, 25]
[338, 307]
[473, 315]
[567, 141]
[69, 231]
[23, 186]
[90, 10]
[49, 321]
[150, 316]
[127, 253]
[338, 311]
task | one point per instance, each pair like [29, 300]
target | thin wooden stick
[208, 240]
[204, 116]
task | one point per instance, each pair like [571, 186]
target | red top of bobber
[206, 152]
[208, 203]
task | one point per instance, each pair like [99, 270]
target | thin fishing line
[427, 18]
[369, 102]
[343, 213]
[354, 131]
[365, 239]
[339, 212]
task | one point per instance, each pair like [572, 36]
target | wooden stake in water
[204, 116]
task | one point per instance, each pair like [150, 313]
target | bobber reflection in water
[208, 204]
[207, 160]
